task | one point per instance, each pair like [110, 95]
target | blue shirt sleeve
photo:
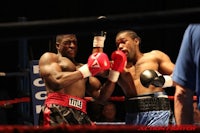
[185, 66]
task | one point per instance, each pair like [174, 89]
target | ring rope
[97, 129]
[12, 74]
[14, 101]
[89, 99]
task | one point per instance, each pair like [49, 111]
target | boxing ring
[97, 127]
[52, 27]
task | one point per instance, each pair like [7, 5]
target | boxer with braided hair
[142, 80]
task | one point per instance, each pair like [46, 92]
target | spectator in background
[109, 113]
[94, 111]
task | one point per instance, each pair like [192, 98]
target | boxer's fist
[151, 77]
[97, 62]
[119, 62]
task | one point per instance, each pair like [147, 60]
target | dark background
[160, 24]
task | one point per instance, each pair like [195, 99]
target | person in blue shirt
[186, 75]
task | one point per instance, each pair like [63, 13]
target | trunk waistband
[149, 102]
[156, 94]
[67, 101]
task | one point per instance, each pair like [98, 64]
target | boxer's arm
[100, 35]
[152, 77]
[106, 91]
[118, 65]
[98, 42]
[183, 105]
[93, 86]
[52, 74]
[56, 79]
[166, 66]
[97, 62]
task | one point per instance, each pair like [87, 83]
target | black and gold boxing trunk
[147, 104]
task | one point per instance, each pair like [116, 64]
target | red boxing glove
[97, 62]
[119, 63]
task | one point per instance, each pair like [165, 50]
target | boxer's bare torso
[129, 80]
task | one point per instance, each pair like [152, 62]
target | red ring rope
[122, 98]
[97, 129]
[89, 99]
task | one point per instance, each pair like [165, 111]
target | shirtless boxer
[143, 81]
[67, 82]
